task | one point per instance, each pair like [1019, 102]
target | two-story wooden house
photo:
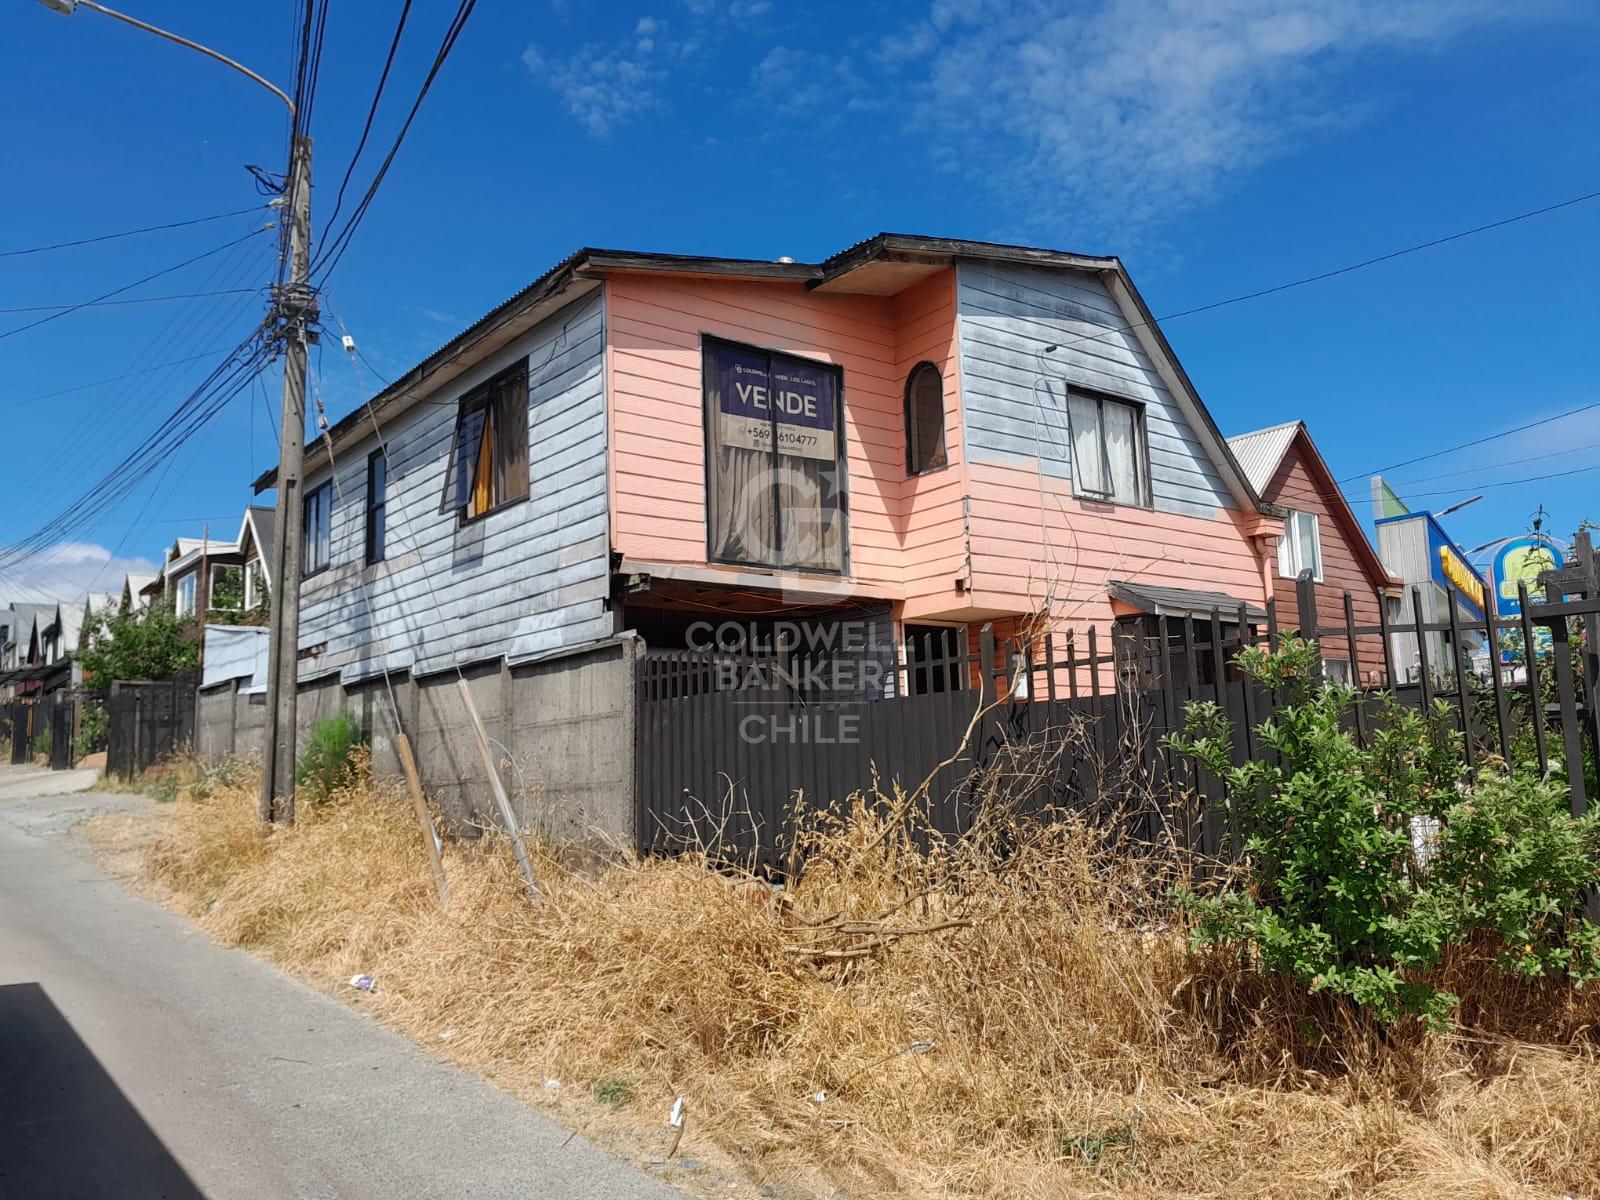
[917, 436]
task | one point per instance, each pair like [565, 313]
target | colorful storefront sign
[1522, 560]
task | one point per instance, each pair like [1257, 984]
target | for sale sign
[765, 401]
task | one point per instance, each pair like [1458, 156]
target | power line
[1510, 462]
[108, 237]
[84, 387]
[334, 250]
[64, 308]
[128, 287]
[1509, 482]
[224, 382]
[372, 112]
[1474, 442]
[1318, 278]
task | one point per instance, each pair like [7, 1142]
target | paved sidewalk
[141, 1060]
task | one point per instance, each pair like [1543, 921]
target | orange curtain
[483, 474]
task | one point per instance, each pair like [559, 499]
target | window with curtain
[377, 504]
[776, 474]
[1300, 547]
[924, 420]
[316, 532]
[489, 457]
[1109, 457]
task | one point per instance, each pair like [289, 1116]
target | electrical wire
[372, 112]
[225, 381]
[1493, 437]
[108, 237]
[64, 308]
[334, 249]
[127, 287]
[84, 387]
[1324, 275]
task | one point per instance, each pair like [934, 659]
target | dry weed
[913, 1016]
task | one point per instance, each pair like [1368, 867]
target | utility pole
[295, 312]
[294, 315]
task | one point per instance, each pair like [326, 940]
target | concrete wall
[561, 729]
[226, 722]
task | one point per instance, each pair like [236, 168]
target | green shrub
[327, 762]
[94, 723]
[43, 742]
[1339, 895]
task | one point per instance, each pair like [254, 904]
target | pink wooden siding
[1294, 485]
[904, 533]
[1034, 542]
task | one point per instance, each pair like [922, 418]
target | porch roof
[1182, 602]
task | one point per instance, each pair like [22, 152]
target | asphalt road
[137, 1059]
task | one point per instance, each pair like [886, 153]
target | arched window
[924, 419]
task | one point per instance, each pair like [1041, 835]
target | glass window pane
[742, 508]
[1122, 453]
[469, 440]
[1088, 469]
[925, 447]
[805, 407]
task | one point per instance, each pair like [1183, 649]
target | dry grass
[1035, 1044]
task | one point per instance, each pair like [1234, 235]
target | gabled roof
[881, 265]
[133, 586]
[1261, 452]
[259, 529]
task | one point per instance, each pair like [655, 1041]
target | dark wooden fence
[728, 744]
[36, 723]
[147, 722]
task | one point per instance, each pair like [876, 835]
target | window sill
[1110, 503]
[463, 520]
[944, 466]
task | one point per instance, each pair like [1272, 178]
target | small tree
[145, 643]
[1339, 896]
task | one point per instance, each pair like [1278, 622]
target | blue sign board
[1522, 560]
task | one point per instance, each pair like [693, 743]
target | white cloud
[1124, 110]
[67, 572]
[604, 87]
[601, 89]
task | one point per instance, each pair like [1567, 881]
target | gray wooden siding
[527, 580]
[1013, 395]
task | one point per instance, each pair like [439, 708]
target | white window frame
[216, 570]
[1291, 550]
[255, 584]
[184, 592]
[1085, 405]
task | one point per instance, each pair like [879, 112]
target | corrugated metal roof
[1260, 451]
[1181, 602]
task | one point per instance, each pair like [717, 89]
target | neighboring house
[1320, 534]
[918, 435]
[28, 654]
[201, 576]
[255, 543]
[134, 595]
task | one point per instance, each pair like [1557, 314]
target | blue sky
[1218, 148]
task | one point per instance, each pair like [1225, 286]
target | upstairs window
[776, 462]
[255, 585]
[183, 594]
[924, 420]
[317, 531]
[377, 504]
[489, 459]
[227, 588]
[1109, 458]
[1300, 547]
